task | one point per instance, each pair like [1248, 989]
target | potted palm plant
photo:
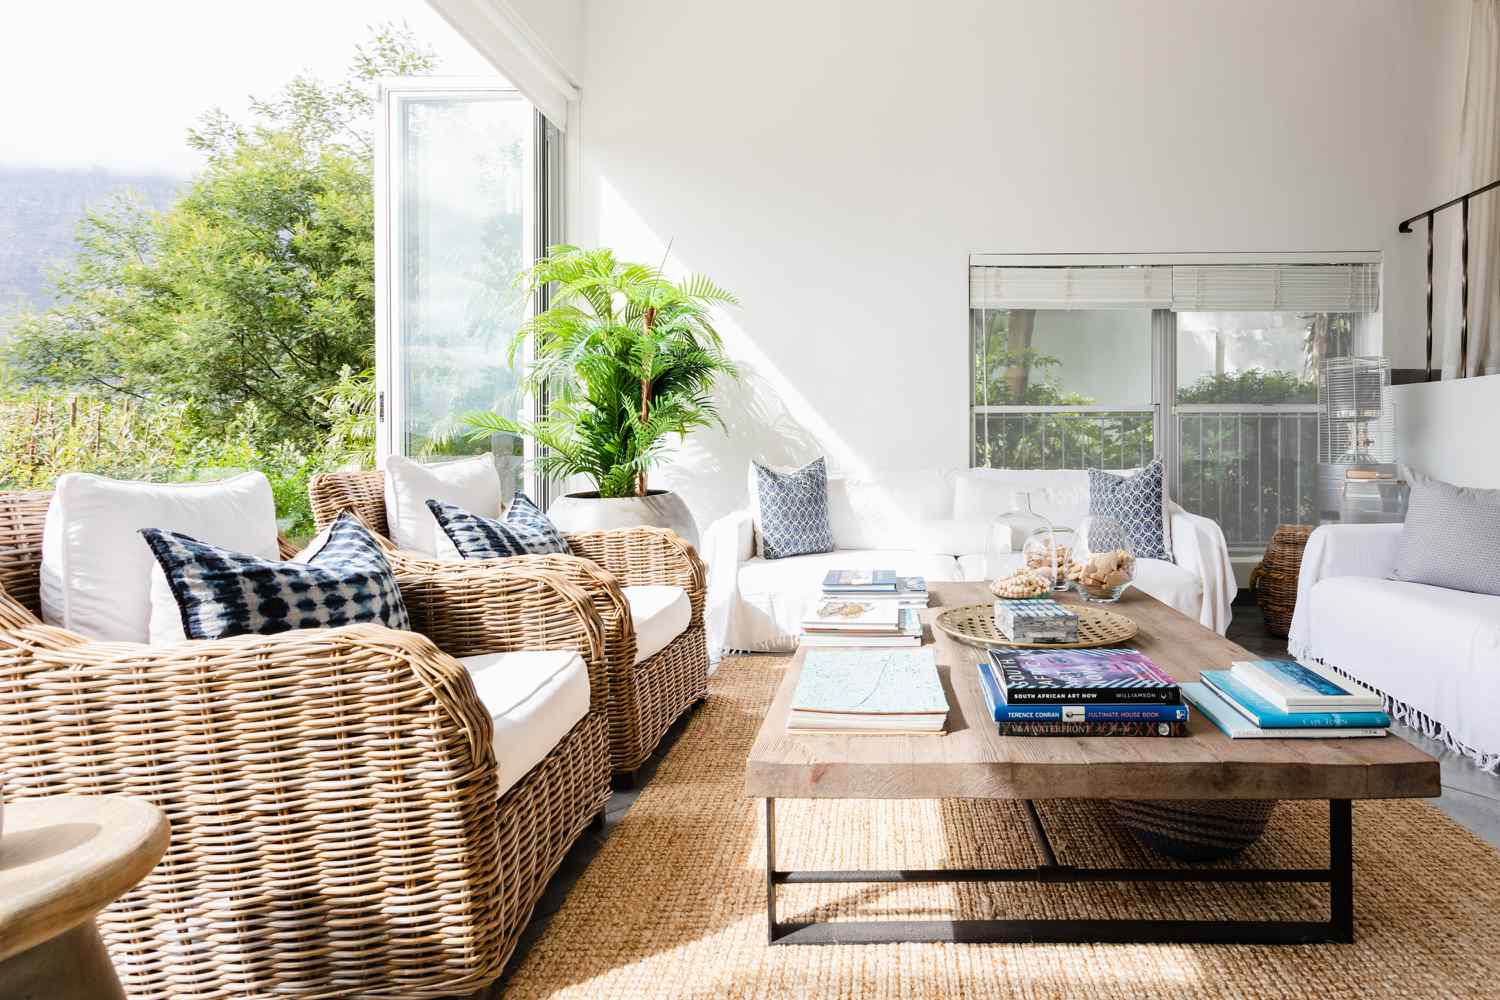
[629, 359]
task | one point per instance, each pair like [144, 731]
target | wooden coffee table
[973, 761]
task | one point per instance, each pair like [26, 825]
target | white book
[1295, 686]
[850, 615]
[816, 640]
[1237, 727]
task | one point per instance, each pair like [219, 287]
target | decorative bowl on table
[1103, 560]
[1023, 584]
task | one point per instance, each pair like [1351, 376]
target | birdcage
[1357, 478]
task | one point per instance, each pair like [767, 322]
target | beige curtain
[1478, 164]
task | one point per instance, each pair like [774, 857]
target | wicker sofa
[646, 693]
[339, 823]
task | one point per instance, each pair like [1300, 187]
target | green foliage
[1252, 385]
[256, 288]
[233, 331]
[44, 434]
[630, 358]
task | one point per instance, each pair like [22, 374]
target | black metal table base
[1338, 928]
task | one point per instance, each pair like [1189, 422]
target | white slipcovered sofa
[933, 524]
[1434, 653]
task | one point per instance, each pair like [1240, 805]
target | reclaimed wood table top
[972, 760]
[63, 859]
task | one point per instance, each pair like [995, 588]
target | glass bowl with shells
[1104, 561]
[1049, 552]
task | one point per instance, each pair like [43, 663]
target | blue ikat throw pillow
[1137, 503]
[222, 593]
[794, 516]
[523, 531]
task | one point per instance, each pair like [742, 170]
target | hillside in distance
[40, 208]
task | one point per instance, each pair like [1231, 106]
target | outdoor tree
[256, 289]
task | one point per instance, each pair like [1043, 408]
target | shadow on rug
[674, 904]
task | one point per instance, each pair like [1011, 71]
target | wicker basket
[1275, 579]
[1193, 830]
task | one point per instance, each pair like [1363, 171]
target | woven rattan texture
[674, 903]
[644, 699]
[336, 823]
[1276, 578]
[974, 624]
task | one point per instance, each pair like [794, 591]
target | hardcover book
[1303, 687]
[910, 592]
[890, 690]
[1036, 621]
[1002, 712]
[1093, 729]
[1234, 725]
[1267, 716]
[849, 581]
[849, 615]
[1080, 676]
[909, 635]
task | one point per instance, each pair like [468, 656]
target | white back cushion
[470, 483]
[96, 568]
[888, 511]
[1059, 495]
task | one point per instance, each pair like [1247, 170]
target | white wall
[835, 162]
[1445, 429]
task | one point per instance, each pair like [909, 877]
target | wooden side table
[62, 860]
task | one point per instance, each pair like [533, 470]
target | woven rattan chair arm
[471, 608]
[360, 492]
[13, 614]
[313, 778]
[641, 556]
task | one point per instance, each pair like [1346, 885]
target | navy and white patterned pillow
[523, 531]
[1137, 503]
[794, 511]
[223, 593]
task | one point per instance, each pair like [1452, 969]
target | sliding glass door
[456, 222]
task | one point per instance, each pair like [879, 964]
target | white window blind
[1133, 287]
[1268, 287]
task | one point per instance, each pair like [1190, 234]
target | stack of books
[1035, 621]
[866, 608]
[1081, 692]
[877, 585]
[1269, 699]
[891, 691]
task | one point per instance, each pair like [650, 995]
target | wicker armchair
[337, 827]
[644, 698]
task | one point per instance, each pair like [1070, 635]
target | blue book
[1237, 727]
[861, 581]
[994, 699]
[1268, 716]
[1304, 687]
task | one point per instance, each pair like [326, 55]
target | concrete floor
[1470, 796]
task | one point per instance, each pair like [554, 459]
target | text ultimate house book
[1078, 676]
[874, 691]
[1004, 713]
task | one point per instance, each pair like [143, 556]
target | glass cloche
[1009, 534]
[1104, 559]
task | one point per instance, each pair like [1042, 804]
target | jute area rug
[674, 903]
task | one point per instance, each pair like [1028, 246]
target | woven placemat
[975, 624]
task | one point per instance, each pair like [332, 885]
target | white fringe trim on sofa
[1419, 720]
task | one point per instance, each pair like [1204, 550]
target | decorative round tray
[975, 625]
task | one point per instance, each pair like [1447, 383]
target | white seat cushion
[774, 593]
[1167, 582]
[660, 615]
[96, 567]
[470, 483]
[1434, 649]
[534, 698]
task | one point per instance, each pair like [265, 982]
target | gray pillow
[1451, 537]
[793, 511]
